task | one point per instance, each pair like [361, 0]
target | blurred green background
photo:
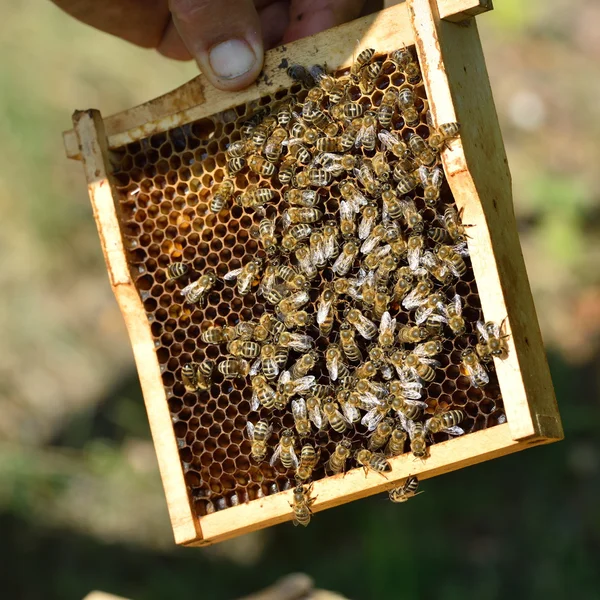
[81, 504]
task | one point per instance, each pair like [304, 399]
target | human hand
[227, 38]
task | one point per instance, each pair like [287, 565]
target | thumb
[224, 37]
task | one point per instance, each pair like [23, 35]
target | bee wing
[318, 253]
[454, 430]
[482, 331]
[351, 413]
[323, 311]
[372, 419]
[303, 384]
[368, 401]
[386, 371]
[418, 403]
[495, 330]
[255, 403]
[422, 315]
[255, 368]
[299, 408]
[284, 378]
[420, 350]
[501, 419]
[387, 324]
[285, 219]
[250, 430]
[414, 258]
[314, 414]
[437, 177]
[275, 455]
[424, 176]
[458, 304]
[294, 458]
[429, 361]
[389, 140]
[333, 368]
[365, 331]
[300, 342]
[232, 274]
[342, 263]
[461, 249]
[364, 228]
[479, 372]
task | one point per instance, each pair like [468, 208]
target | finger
[172, 45]
[224, 37]
[274, 20]
[308, 17]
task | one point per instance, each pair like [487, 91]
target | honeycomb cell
[166, 184]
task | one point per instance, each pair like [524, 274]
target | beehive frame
[476, 168]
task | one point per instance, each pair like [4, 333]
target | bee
[197, 290]
[354, 198]
[406, 103]
[243, 348]
[372, 461]
[337, 460]
[368, 74]
[326, 310]
[401, 57]
[234, 367]
[287, 170]
[387, 327]
[385, 112]
[304, 198]
[330, 240]
[334, 417]
[334, 361]
[382, 299]
[451, 255]
[446, 422]
[328, 144]
[347, 223]
[303, 215]
[364, 326]
[404, 285]
[301, 75]
[420, 150]
[313, 409]
[284, 114]
[377, 409]
[261, 165]
[177, 270]
[491, 342]
[345, 260]
[395, 445]
[304, 258]
[380, 436]
[308, 461]
[336, 164]
[416, 243]
[348, 343]
[285, 450]
[378, 234]
[369, 218]
[381, 167]
[293, 302]
[255, 197]
[299, 152]
[318, 177]
[295, 341]
[417, 434]
[431, 180]
[367, 134]
[454, 226]
[245, 275]
[407, 182]
[267, 237]
[297, 319]
[361, 60]
[393, 143]
[301, 418]
[262, 393]
[473, 368]
[315, 94]
[440, 136]
[270, 366]
[301, 133]
[348, 137]
[350, 110]
[386, 267]
[262, 131]
[453, 314]
[391, 205]
[366, 370]
[418, 294]
[420, 364]
[301, 505]
[235, 165]
[238, 149]
[259, 435]
[406, 491]
[274, 145]
[303, 365]
[213, 335]
[194, 378]
[292, 280]
[408, 408]
[295, 234]
[412, 217]
[223, 194]
[435, 267]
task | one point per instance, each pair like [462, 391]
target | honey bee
[262, 131]
[386, 267]
[387, 327]
[301, 75]
[299, 152]
[435, 267]
[303, 215]
[177, 270]
[401, 57]
[385, 112]
[406, 491]
[368, 74]
[412, 217]
[345, 260]
[417, 434]
[213, 335]
[328, 144]
[245, 275]
[308, 461]
[348, 137]
[197, 377]
[303, 256]
[431, 180]
[381, 166]
[318, 177]
[269, 363]
[391, 205]
[334, 417]
[336, 164]
[418, 294]
[406, 103]
[301, 418]
[313, 409]
[378, 234]
[420, 364]
[354, 198]
[421, 150]
[473, 368]
[407, 182]
[255, 197]
[491, 342]
[238, 149]
[197, 290]
[243, 348]
[274, 145]
[234, 367]
[446, 422]
[366, 370]
[262, 393]
[416, 243]
[223, 194]
[377, 410]
[404, 285]
[364, 326]
[393, 143]
[348, 343]
[453, 314]
[297, 319]
[440, 136]
[369, 218]
[334, 362]
[451, 255]
[454, 226]
[396, 443]
[304, 198]
[284, 114]
[295, 234]
[235, 165]
[372, 461]
[295, 341]
[261, 165]
[361, 60]
[347, 224]
[408, 408]
[293, 302]
[330, 240]
[367, 134]
[287, 170]
[337, 460]
[303, 134]
[301, 505]
[285, 450]
[326, 310]
[303, 365]
[259, 434]
[267, 237]
[380, 436]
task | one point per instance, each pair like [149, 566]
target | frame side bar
[92, 142]
[456, 77]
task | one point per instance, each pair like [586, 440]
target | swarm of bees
[369, 277]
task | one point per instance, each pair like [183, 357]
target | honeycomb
[165, 185]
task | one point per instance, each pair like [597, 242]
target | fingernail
[231, 59]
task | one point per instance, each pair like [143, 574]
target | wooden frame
[458, 88]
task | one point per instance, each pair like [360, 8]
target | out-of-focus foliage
[81, 504]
